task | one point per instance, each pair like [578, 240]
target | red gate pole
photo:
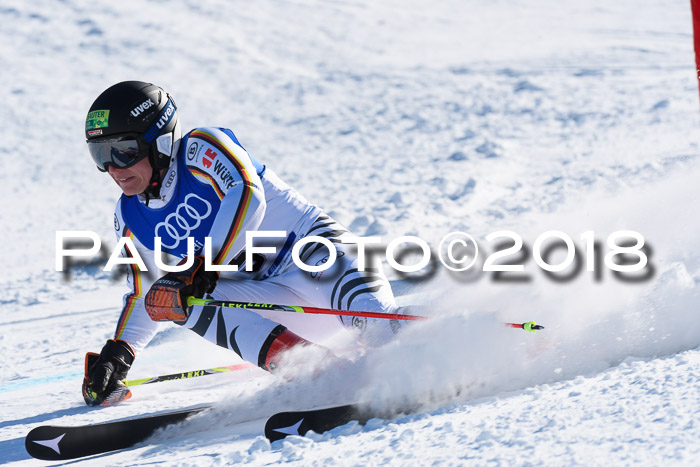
[695, 9]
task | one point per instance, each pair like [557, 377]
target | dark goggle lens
[120, 154]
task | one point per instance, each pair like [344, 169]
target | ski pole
[529, 326]
[189, 374]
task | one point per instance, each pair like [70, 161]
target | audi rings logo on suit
[178, 225]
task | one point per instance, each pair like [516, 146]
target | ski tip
[284, 424]
[72, 442]
[43, 443]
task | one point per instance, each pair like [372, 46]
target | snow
[398, 118]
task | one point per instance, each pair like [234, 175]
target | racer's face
[132, 180]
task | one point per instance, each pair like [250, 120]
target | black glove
[167, 298]
[104, 371]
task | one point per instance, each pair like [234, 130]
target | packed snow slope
[398, 118]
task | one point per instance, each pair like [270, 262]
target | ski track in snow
[398, 118]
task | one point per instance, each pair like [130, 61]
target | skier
[204, 184]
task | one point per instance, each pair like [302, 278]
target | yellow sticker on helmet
[97, 119]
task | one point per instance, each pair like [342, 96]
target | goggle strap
[161, 122]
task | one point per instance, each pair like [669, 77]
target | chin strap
[153, 190]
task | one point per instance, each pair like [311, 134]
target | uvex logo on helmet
[136, 111]
[165, 118]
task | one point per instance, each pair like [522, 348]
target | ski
[72, 442]
[63, 442]
[284, 424]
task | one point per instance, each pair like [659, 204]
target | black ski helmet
[129, 121]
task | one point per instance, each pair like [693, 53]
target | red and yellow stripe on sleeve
[138, 291]
[246, 196]
[208, 179]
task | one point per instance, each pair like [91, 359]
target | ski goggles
[121, 152]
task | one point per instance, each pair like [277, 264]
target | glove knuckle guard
[166, 300]
[120, 351]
